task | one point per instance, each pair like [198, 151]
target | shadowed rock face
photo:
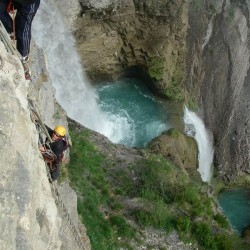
[198, 47]
[219, 78]
[114, 36]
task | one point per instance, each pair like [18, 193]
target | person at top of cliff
[58, 145]
[21, 26]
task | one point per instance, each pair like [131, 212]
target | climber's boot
[27, 72]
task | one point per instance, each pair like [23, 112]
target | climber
[21, 25]
[58, 145]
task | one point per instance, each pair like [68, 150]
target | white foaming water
[73, 90]
[195, 128]
[124, 130]
[208, 34]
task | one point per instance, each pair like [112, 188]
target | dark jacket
[22, 2]
[56, 146]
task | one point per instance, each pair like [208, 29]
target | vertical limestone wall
[219, 79]
[30, 217]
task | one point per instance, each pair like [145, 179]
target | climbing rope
[10, 47]
[36, 118]
[1, 63]
[5, 38]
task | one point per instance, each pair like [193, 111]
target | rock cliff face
[30, 218]
[219, 78]
[196, 51]
[119, 34]
[28, 210]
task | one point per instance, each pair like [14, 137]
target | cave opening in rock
[129, 103]
[140, 73]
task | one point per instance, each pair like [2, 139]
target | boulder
[179, 148]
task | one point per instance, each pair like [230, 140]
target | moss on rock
[156, 68]
[179, 148]
[174, 90]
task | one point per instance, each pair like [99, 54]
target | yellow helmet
[60, 130]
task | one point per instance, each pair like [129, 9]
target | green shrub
[173, 133]
[222, 220]
[212, 9]
[156, 68]
[114, 205]
[157, 216]
[231, 14]
[174, 90]
[87, 176]
[203, 207]
[203, 235]
[192, 105]
[197, 4]
[183, 224]
[124, 183]
[57, 115]
[159, 180]
[219, 241]
[189, 194]
[122, 227]
[99, 231]
[156, 179]
[223, 242]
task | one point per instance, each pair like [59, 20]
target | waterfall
[208, 34]
[73, 91]
[195, 128]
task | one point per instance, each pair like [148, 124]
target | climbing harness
[48, 154]
[36, 118]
